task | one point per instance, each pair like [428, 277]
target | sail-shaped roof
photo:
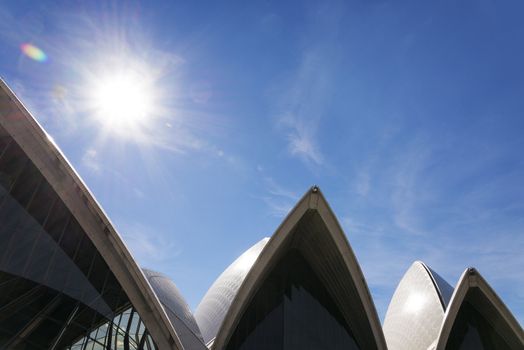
[177, 309]
[68, 281]
[416, 310]
[62, 236]
[309, 239]
[476, 318]
[216, 302]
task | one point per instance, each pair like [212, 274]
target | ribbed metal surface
[316, 242]
[177, 309]
[213, 308]
[416, 310]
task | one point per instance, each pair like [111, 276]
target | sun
[122, 100]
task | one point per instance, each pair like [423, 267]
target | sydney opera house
[67, 281]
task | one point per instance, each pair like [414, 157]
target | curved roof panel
[416, 310]
[177, 309]
[47, 164]
[216, 302]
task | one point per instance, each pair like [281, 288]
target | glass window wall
[471, 331]
[292, 310]
[56, 290]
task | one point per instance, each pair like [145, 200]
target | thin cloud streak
[149, 248]
[305, 97]
[90, 161]
[303, 109]
[408, 192]
[278, 199]
[278, 190]
[409, 217]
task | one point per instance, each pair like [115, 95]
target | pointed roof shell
[52, 164]
[214, 305]
[473, 289]
[177, 309]
[311, 227]
[416, 310]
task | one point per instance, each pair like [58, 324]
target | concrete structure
[476, 318]
[38, 186]
[311, 233]
[67, 281]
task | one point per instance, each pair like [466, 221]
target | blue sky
[407, 114]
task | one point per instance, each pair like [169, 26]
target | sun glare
[122, 101]
[415, 303]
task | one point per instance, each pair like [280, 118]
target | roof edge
[313, 199]
[470, 279]
[435, 284]
[39, 146]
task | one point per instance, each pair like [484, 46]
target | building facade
[67, 281]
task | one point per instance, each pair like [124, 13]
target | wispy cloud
[279, 199]
[385, 256]
[362, 182]
[304, 98]
[83, 52]
[450, 215]
[279, 191]
[148, 246]
[278, 208]
[303, 109]
[90, 161]
[383, 262]
[407, 191]
[301, 137]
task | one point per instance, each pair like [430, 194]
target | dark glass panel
[292, 310]
[12, 163]
[57, 221]
[98, 273]
[5, 140]
[112, 293]
[84, 254]
[71, 238]
[471, 331]
[53, 282]
[42, 203]
[118, 333]
[37, 264]
[26, 184]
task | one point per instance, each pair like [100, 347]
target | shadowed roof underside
[476, 297]
[54, 167]
[312, 229]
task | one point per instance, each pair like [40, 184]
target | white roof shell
[216, 302]
[416, 310]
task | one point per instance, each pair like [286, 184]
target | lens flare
[33, 52]
[122, 101]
